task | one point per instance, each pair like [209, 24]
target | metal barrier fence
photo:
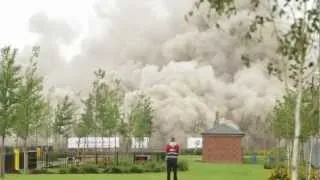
[42, 158]
[105, 158]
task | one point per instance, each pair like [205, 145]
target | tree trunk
[17, 141]
[141, 143]
[85, 148]
[96, 148]
[115, 143]
[78, 152]
[109, 142]
[25, 156]
[127, 144]
[103, 150]
[36, 138]
[115, 150]
[310, 158]
[2, 157]
[102, 144]
[288, 152]
[297, 130]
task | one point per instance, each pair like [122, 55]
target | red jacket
[172, 150]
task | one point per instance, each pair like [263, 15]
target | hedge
[130, 168]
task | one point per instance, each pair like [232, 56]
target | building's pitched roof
[223, 129]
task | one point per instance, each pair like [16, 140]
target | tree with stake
[123, 130]
[111, 111]
[283, 116]
[30, 107]
[104, 119]
[294, 45]
[64, 115]
[282, 119]
[80, 131]
[141, 117]
[95, 95]
[87, 116]
[9, 83]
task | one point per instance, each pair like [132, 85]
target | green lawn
[199, 170]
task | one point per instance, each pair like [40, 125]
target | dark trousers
[172, 165]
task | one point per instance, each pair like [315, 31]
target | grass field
[202, 171]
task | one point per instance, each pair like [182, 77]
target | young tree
[64, 115]
[141, 117]
[108, 102]
[282, 118]
[102, 107]
[80, 131]
[109, 112]
[123, 130]
[9, 83]
[294, 45]
[30, 107]
[87, 115]
[46, 126]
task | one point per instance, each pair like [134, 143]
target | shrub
[74, 170]
[116, 170]
[63, 171]
[303, 173]
[150, 166]
[90, 168]
[281, 173]
[16, 172]
[136, 169]
[278, 154]
[192, 151]
[154, 167]
[269, 165]
[272, 162]
[39, 171]
[183, 165]
[53, 156]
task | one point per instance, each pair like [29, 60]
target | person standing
[172, 152]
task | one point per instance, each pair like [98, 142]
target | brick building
[222, 144]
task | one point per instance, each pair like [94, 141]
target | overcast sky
[15, 14]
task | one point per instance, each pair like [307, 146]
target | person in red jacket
[172, 150]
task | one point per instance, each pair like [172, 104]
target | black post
[134, 157]
[117, 158]
[47, 157]
[96, 157]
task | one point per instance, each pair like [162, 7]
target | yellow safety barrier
[16, 159]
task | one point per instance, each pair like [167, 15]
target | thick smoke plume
[189, 69]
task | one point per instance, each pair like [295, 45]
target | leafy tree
[294, 45]
[283, 117]
[30, 107]
[45, 127]
[87, 115]
[80, 131]
[108, 101]
[123, 130]
[102, 107]
[64, 115]
[9, 83]
[141, 117]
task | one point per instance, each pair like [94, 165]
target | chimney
[229, 116]
[216, 121]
